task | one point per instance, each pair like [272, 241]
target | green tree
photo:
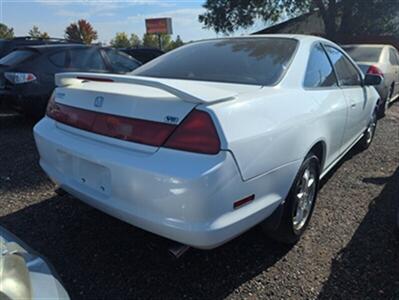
[120, 40]
[176, 43]
[135, 40]
[340, 17]
[6, 32]
[82, 31]
[152, 41]
[36, 33]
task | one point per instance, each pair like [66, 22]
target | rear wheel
[298, 207]
[385, 105]
[368, 135]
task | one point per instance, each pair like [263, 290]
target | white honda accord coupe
[208, 140]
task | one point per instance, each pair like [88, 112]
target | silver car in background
[380, 60]
[24, 274]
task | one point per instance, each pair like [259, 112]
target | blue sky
[107, 16]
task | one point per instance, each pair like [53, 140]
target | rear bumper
[182, 196]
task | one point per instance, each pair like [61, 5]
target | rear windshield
[366, 54]
[16, 57]
[260, 61]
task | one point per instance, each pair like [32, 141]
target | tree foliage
[152, 41]
[121, 40]
[134, 40]
[82, 31]
[340, 17]
[176, 43]
[36, 33]
[6, 32]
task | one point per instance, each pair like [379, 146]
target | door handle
[353, 105]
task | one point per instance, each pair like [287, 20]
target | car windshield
[15, 57]
[259, 61]
[366, 54]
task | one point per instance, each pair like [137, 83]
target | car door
[350, 82]
[321, 83]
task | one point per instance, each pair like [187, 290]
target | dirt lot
[351, 249]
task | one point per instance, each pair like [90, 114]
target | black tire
[382, 108]
[385, 105]
[366, 140]
[287, 232]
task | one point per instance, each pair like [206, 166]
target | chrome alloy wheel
[306, 191]
[371, 129]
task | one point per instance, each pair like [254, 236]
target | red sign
[159, 25]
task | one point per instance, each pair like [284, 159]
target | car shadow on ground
[375, 275]
[98, 256]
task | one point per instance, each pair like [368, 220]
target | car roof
[50, 47]
[59, 46]
[303, 38]
[367, 45]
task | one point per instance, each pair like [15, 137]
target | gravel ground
[351, 249]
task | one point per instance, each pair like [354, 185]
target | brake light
[374, 71]
[129, 129]
[18, 78]
[196, 133]
[134, 130]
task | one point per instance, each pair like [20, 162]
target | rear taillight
[134, 130]
[196, 133]
[18, 78]
[128, 129]
[374, 71]
[75, 117]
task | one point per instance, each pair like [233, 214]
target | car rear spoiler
[186, 90]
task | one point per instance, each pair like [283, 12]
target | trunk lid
[150, 99]
[127, 100]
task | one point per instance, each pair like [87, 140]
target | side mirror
[372, 79]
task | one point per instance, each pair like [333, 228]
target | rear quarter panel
[273, 129]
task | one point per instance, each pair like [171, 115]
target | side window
[319, 72]
[121, 62]
[86, 59]
[58, 59]
[393, 58]
[346, 72]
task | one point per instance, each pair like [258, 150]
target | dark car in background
[379, 59]
[27, 74]
[143, 54]
[8, 45]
